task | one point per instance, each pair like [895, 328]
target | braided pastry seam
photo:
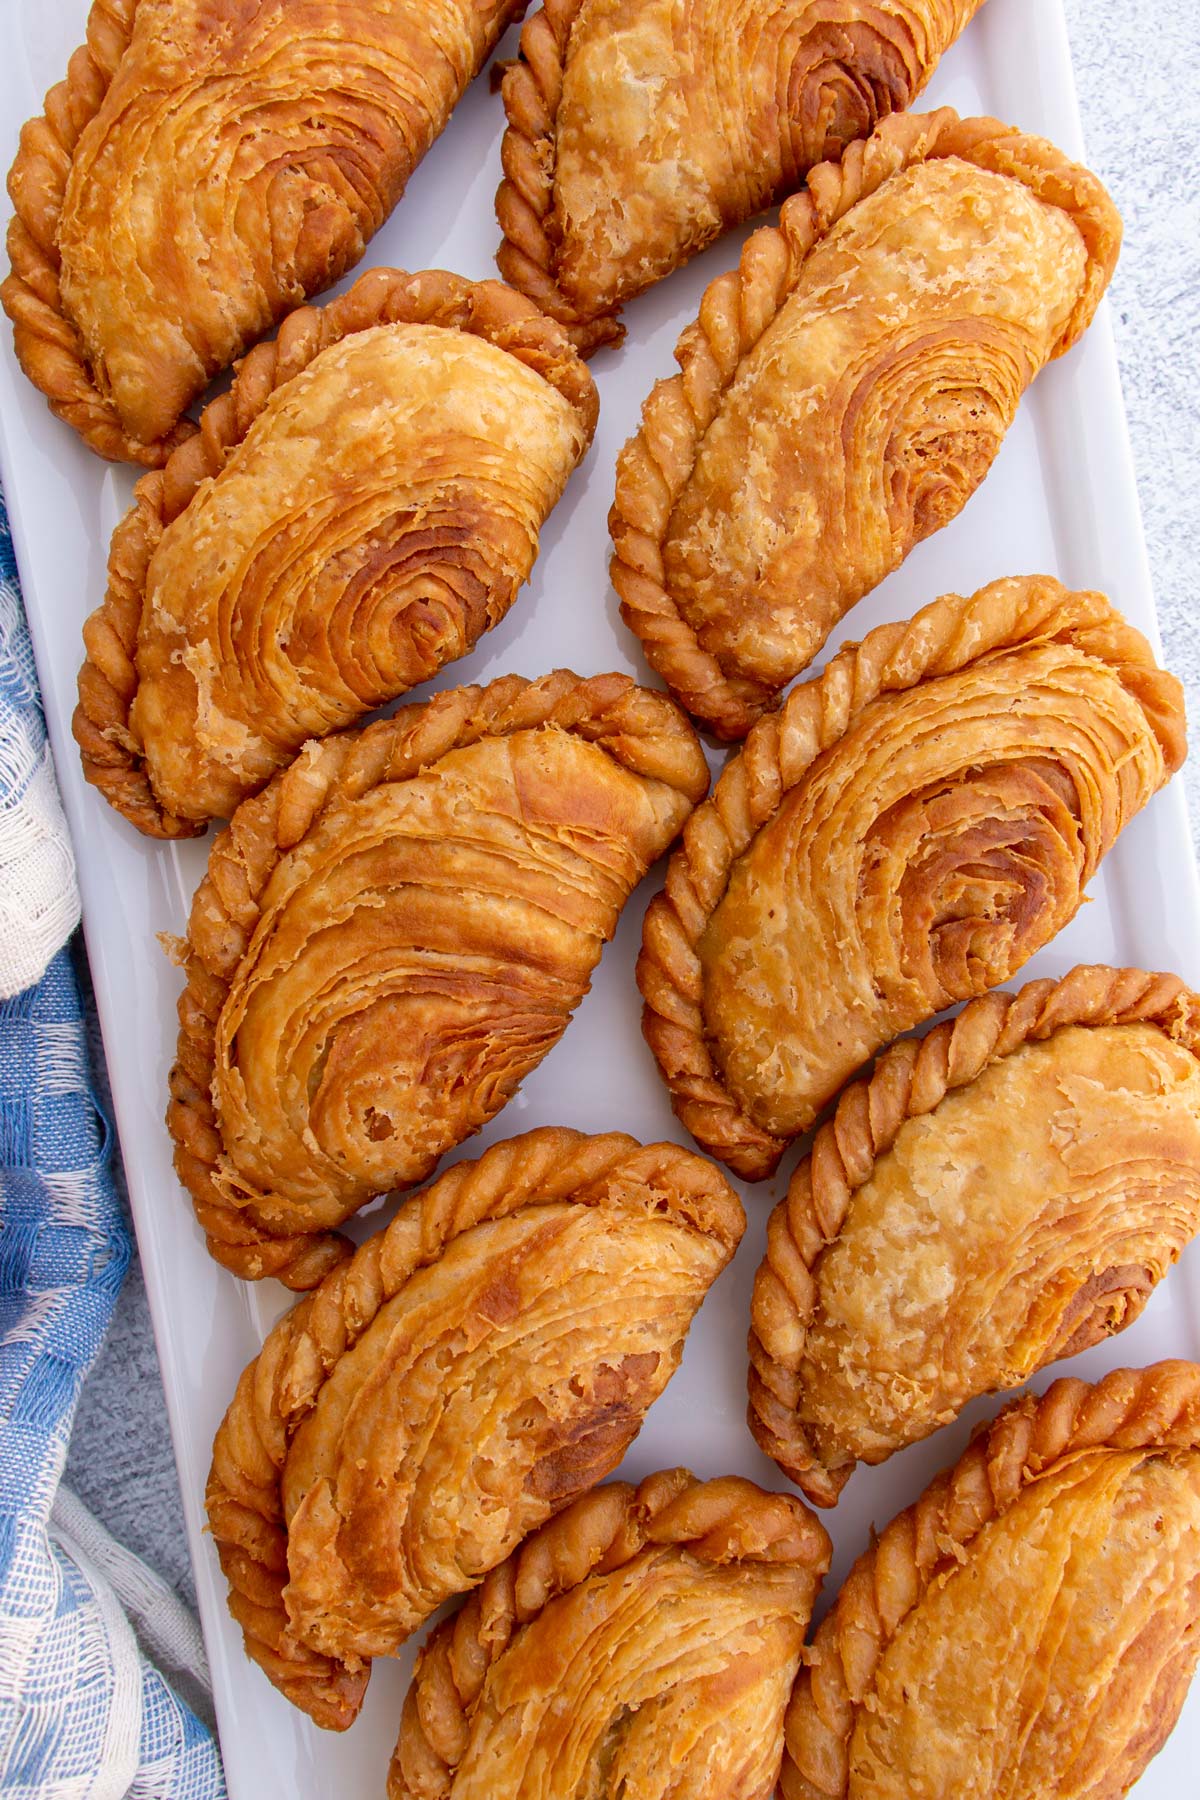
[280, 1387]
[640, 729]
[719, 1521]
[49, 348]
[947, 635]
[1130, 1409]
[737, 308]
[909, 1079]
[112, 758]
[532, 91]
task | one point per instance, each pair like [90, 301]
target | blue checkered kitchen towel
[83, 1714]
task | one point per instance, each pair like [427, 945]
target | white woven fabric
[39, 898]
[84, 1714]
[164, 1627]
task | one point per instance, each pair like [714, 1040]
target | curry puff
[394, 933]
[905, 833]
[205, 166]
[639, 130]
[351, 516]
[1008, 1190]
[1028, 1628]
[644, 1642]
[843, 393]
[475, 1368]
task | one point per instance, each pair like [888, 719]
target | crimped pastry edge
[532, 90]
[908, 1080]
[657, 462]
[112, 759]
[721, 1521]
[1129, 1409]
[948, 634]
[639, 728]
[281, 1386]
[49, 347]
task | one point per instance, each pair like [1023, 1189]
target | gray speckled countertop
[1142, 124]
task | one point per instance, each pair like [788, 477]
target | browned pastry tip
[1036, 843]
[601, 197]
[1094, 1285]
[336, 1407]
[920, 469]
[532, 90]
[114, 755]
[716, 1524]
[115, 319]
[48, 345]
[1055, 1466]
[544, 837]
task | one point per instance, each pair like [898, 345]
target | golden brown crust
[48, 346]
[946, 636]
[762, 107]
[280, 1388]
[312, 217]
[737, 308]
[532, 89]
[718, 1522]
[112, 756]
[640, 730]
[909, 1080]
[1130, 1409]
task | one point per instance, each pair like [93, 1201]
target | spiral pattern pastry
[205, 166]
[473, 1370]
[643, 1642]
[1005, 1191]
[1028, 1627]
[639, 130]
[843, 393]
[350, 517]
[903, 834]
[394, 933]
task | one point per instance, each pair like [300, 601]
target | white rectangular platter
[1060, 499]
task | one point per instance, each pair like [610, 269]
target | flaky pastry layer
[350, 517]
[903, 834]
[1006, 1191]
[639, 130]
[204, 167]
[842, 394]
[394, 933]
[643, 1642]
[472, 1370]
[1028, 1627]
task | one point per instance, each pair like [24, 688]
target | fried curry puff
[1005, 1191]
[394, 933]
[362, 505]
[903, 834]
[644, 1642]
[203, 168]
[476, 1366]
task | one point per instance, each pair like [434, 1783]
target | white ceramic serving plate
[1060, 499]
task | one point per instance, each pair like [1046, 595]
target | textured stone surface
[1141, 117]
